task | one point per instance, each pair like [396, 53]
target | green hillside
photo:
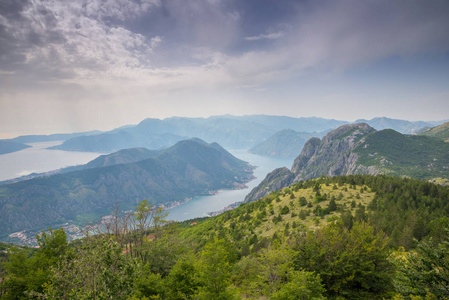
[441, 132]
[360, 149]
[396, 154]
[345, 237]
[188, 169]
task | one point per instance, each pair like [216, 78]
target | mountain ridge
[286, 143]
[440, 131]
[188, 169]
[233, 132]
[360, 149]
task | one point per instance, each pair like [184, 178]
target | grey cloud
[202, 23]
[345, 32]
[53, 40]
[273, 35]
[120, 9]
[336, 35]
[21, 33]
[241, 41]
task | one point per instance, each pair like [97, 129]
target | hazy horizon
[10, 135]
[97, 65]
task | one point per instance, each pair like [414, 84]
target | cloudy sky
[98, 64]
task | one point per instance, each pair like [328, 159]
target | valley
[356, 149]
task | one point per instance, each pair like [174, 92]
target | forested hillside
[189, 168]
[441, 131]
[345, 237]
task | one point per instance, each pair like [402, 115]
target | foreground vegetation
[346, 237]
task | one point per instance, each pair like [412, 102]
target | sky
[68, 66]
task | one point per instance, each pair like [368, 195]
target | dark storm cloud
[245, 43]
[19, 34]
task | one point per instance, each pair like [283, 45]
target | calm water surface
[200, 206]
[37, 159]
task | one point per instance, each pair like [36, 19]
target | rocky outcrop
[275, 180]
[330, 156]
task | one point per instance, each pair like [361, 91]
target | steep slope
[7, 146]
[360, 149]
[188, 169]
[333, 155]
[285, 143]
[441, 131]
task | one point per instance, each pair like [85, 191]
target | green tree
[275, 264]
[285, 210]
[215, 263]
[96, 270]
[332, 206]
[29, 274]
[183, 281]
[425, 270]
[352, 263]
[301, 285]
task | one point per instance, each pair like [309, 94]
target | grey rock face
[330, 156]
[275, 180]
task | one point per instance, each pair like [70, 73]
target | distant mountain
[189, 168]
[401, 126]
[277, 123]
[7, 146]
[108, 142]
[125, 156]
[286, 143]
[441, 131]
[360, 149]
[232, 132]
[51, 137]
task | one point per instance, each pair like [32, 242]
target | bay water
[38, 159]
[200, 206]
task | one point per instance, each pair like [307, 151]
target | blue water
[200, 206]
[37, 159]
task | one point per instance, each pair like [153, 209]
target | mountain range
[286, 143]
[187, 169]
[441, 131]
[361, 149]
[263, 132]
[232, 132]
[402, 126]
[51, 137]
